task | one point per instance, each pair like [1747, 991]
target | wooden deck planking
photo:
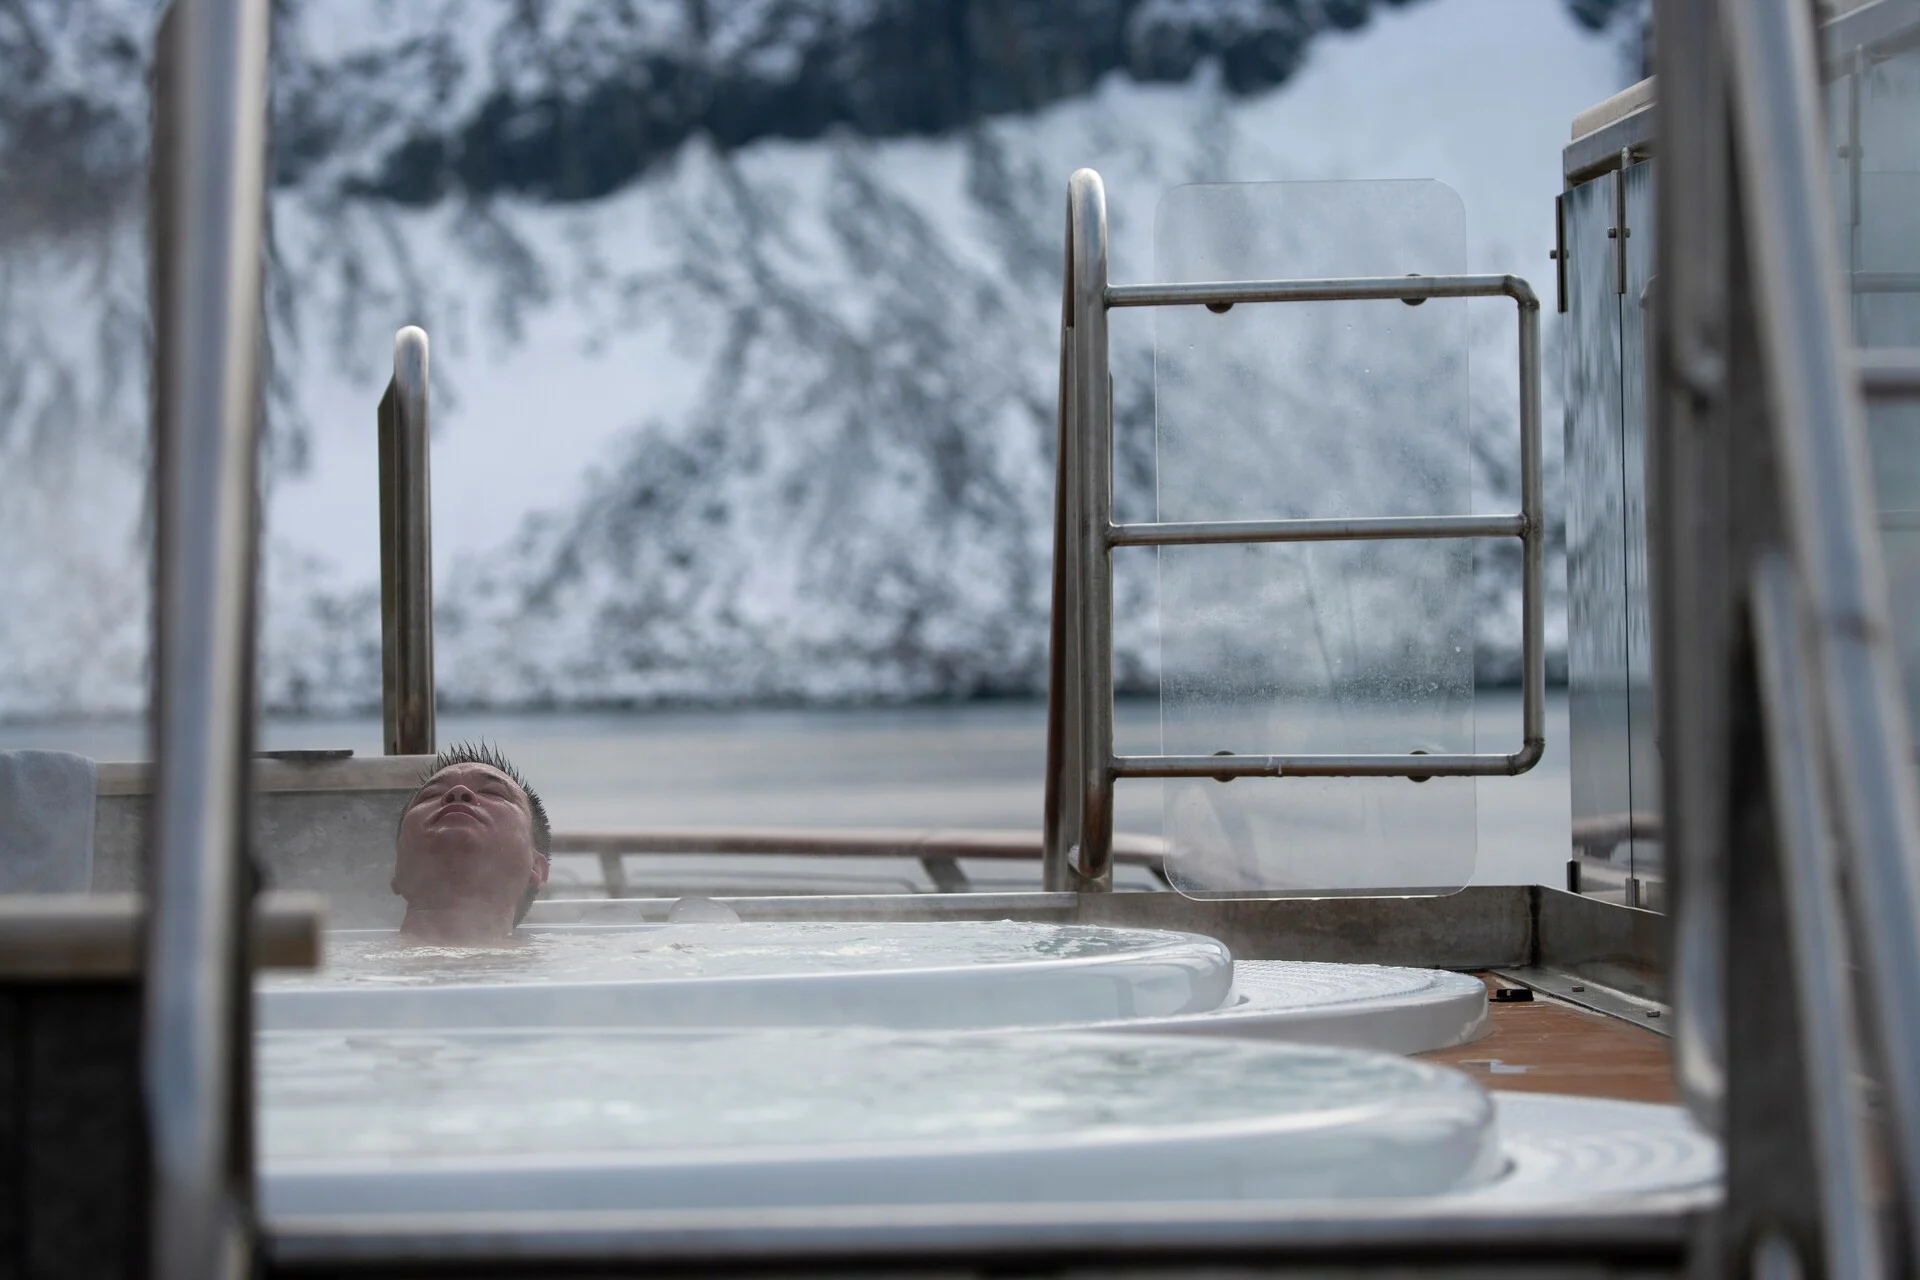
[1546, 1046]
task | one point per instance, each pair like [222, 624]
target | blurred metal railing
[937, 850]
[1816, 920]
[209, 164]
[1790, 812]
[1889, 373]
[1825, 485]
[1081, 765]
[406, 552]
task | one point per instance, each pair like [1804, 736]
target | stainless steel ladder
[1081, 765]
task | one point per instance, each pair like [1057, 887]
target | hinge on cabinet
[1559, 254]
[1619, 231]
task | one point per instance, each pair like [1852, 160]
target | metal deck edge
[1594, 997]
[1654, 1227]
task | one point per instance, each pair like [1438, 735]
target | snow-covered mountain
[743, 314]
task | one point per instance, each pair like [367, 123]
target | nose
[459, 794]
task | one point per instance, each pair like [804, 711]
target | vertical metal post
[1619, 231]
[1060, 822]
[209, 162]
[1809, 881]
[1533, 515]
[406, 552]
[1689, 516]
[1856, 75]
[1820, 436]
[1090, 428]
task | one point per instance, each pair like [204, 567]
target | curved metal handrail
[1081, 764]
[937, 849]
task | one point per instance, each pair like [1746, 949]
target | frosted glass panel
[1299, 410]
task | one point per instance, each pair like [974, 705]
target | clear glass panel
[1598, 704]
[1302, 410]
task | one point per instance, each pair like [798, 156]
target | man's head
[473, 839]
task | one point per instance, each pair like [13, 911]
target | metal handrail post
[1692, 612]
[1060, 824]
[209, 166]
[406, 552]
[1533, 535]
[1819, 432]
[1091, 427]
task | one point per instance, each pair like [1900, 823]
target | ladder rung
[1356, 289]
[1889, 373]
[1318, 766]
[1369, 528]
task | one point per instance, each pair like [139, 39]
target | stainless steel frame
[406, 552]
[1638, 1236]
[209, 167]
[1817, 927]
[1614, 134]
[1688, 506]
[1867, 32]
[1819, 435]
[63, 937]
[1772, 629]
[1889, 373]
[1081, 765]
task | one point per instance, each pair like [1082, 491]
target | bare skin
[465, 857]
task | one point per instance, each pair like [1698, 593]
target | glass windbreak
[1873, 59]
[1321, 409]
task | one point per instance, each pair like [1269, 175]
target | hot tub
[746, 1066]
[518, 1121]
[911, 975]
[898, 975]
[423, 1123]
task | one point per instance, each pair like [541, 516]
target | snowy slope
[766, 420]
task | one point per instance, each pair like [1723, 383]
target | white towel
[46, 822]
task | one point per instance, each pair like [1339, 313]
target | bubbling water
[333, 1096]
[723, 950]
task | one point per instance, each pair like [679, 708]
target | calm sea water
[975, 765]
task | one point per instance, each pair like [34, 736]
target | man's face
[467, 838]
